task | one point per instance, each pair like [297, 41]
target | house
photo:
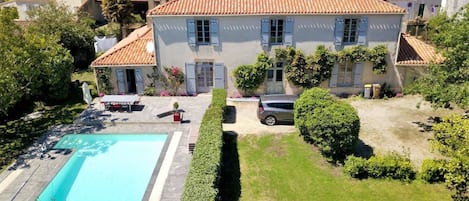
[23, 6]
[453, 6]
[208, 39]
[414, 57]
[424, 9]
[127, 67]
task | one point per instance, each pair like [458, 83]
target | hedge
[433, 171]
[393, 166]
[204, 172]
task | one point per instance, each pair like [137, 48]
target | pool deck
[33, 170]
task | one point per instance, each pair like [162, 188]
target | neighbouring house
[453, 6]
[127, 68]
[424, 9]
[210, 38]
[414, 57]
[23, 6]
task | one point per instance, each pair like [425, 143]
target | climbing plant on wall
[104, 80]
[249, 77]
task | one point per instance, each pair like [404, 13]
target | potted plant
[176, 115]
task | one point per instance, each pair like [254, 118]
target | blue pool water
[105, 167]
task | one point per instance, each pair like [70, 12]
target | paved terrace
[26, 179]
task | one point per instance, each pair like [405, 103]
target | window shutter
[335, 71]
[191, 32]
[357, 75]
[219, 71]
[214, 32]
[120, 81]
[139, 81]
[289, 31]
[265, 32]
[190, 78]
[362, 31]
[339, 31]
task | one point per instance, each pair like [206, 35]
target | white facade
[239, 42]
[425, 9]
[453, 6]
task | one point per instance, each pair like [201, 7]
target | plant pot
[177, 117]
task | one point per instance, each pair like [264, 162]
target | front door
[131, 84]
[204, 76]
[274, 83]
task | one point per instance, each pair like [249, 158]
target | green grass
[277, 167]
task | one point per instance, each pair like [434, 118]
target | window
[350, 30]
[421, 10]
[286, 106]
[203, 31]
[345, 74]
[276, 31]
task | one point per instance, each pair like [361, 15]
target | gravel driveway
[397, 124]
[245, 120]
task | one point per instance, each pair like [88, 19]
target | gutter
[273, 14]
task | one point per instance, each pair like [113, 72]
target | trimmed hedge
[393, 166]
[433, 171]
[204, 173]
[328, 123]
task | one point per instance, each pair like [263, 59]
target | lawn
[283, 167]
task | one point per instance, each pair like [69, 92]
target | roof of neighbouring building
[275, 7]
[131, 50]
[414, 51]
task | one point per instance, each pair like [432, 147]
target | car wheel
[270, 120]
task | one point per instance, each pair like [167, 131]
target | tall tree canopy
[448, 82]
[118, 11]
[34, 66]
[74, 30]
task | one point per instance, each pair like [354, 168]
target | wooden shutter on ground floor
[358, 75]
[120, 81]
[219, 75]
[139, 81]
[334, 73]
[190, 78]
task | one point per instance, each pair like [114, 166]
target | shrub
[433, 171]
[305, 105]
[356, 167]
[204, 172]
[250, 77]
[394, 166]
[330, 124]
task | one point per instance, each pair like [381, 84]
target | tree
[74, 31]
[452, 140]
[448, 82]
[118, 11]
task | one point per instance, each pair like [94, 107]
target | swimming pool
[105, 167]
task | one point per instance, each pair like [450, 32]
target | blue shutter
[362, 31]
[357, 75]
[339, 31]
[265, 32]
[334, 73]
[120, 81]
[191, 32]
[214, 32]
[190, 78]
[289, 31]
[219, 74]
[139, 81]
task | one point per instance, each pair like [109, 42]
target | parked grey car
[274, 109]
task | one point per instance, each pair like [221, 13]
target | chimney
[151, 4]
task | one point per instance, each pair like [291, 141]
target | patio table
[128, 100]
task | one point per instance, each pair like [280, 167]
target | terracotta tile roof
[129, 51]
[272, 7]
[414, 51]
